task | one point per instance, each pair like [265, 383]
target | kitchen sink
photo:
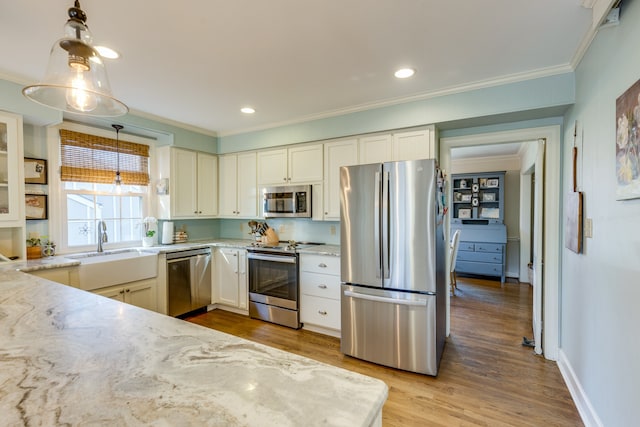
[101, 269]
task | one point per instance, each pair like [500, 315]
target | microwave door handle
[376, 223]
[385, 225]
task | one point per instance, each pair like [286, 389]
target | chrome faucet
[102, 234]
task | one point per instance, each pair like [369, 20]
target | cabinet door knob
[128, 290]
[284, 179]
[322, 286]
[322, 265]
[322, 312]
[121, 292]
[326, 213]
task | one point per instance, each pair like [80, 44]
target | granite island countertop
[72, 357]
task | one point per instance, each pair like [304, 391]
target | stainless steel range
[273, 284]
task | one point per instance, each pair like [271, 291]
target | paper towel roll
[167, 233]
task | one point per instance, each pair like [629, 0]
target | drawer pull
[322, 265]
[322, 286]
[322, 312]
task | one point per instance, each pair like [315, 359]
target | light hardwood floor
[486, 377]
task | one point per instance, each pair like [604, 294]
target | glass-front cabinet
[12, 223]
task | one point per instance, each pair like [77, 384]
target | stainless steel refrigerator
[393, 291]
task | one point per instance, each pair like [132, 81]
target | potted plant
[34, 248]
[147, 240]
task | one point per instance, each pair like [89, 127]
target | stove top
[290, 246]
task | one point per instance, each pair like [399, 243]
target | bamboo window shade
[91, 158]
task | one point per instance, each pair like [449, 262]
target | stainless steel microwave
[287, 201]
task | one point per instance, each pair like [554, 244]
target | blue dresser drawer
[489, 247]
[466, 246]
[480, 257]
[479, 268]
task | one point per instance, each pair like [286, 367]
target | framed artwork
[35, 171]
[483, 182]
[466, 198]
[488, 197]
[35, 206]
[493, 213]
[628, 143]
[464, 213]
[492, 183]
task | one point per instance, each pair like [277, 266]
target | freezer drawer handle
[322, 312]
[322, 286]
[418, 303]
[322, 265]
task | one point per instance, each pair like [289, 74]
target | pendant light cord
[117, 128]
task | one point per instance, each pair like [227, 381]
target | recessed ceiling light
[107, 52]
[248, 110]
[403, 73]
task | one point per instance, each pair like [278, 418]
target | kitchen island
[71, 357]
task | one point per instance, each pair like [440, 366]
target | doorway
[550, 214]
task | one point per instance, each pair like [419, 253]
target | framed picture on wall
[35, 206]
[35, 171]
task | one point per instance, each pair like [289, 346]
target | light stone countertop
[331, 250]
[72, 357]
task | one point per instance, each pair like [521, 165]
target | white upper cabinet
[207, 200]
[336, 154]
[294, 165]
[375, 149]
[238, 193]
[414, 145]
[305, 163]
[193, 184]
[11, 165]
[410, 145]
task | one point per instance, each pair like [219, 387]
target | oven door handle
[261, 257]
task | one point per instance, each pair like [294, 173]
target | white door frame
[552, 217]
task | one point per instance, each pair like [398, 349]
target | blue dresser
[482, 250]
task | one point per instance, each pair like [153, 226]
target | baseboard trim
[587, 413]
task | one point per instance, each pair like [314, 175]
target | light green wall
[530, 95]
[601, 287]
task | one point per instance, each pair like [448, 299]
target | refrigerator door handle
[376, 224]
[416, 303]
[385, 225]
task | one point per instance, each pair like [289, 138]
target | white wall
[601, 288]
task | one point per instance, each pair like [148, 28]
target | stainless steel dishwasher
[188, 280]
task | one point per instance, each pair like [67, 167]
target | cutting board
[573, 225]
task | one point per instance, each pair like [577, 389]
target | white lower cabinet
[141, 293]
[230, 279]
[320, 293]
[65, 275]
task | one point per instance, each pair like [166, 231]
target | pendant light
[118, 179]
[76, 79]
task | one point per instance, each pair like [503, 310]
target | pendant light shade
[76, 79]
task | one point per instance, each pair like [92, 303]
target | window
[88, 165]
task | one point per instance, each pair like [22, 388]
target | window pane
[105, 188]
[131, 207]
[80, 233]
[108, 207]
[80, 206]
[130, 230]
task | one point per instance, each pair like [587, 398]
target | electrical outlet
[332, 230]
[588, 227]
[281, 229]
